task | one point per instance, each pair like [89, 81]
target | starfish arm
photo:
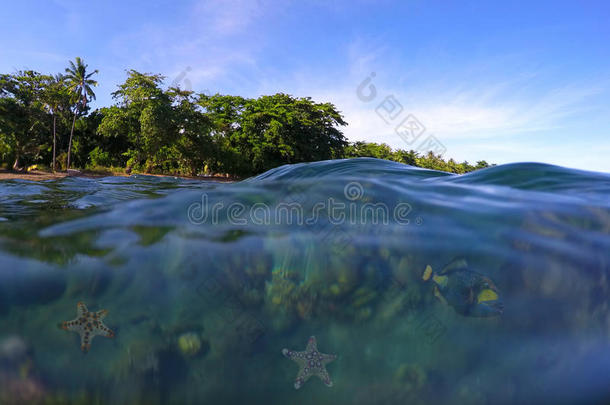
[101, 314]
[325, 377]
[327, 358]
[103, 330]
[85, 341]
[312, 345]
[81, 309]
[302, 377]
[70, 325]
[294, 356]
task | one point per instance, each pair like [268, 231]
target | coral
[16, 390]
[470, 396]
[140, 361]
[410, 376]
[282, 288]
[363, 296]
[13, 349]
[407, 385]
[190, 344]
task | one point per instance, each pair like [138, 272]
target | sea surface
[206, 283]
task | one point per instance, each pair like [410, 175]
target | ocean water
[206, 283]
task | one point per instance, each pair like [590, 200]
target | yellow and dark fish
[468, 292]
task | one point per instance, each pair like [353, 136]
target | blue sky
[500, 81]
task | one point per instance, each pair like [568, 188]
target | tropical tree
[193, 147]
[144, 115]
[57, 100]
[269, 131]
[79, 83]
[226, 114]
[22, 116]
[406, 157]
[369, 149]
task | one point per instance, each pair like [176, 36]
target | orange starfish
[88, 324]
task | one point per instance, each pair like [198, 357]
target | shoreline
[38, 175]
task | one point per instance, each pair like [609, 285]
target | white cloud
[482, 112]
[208, 50]
[229, 17]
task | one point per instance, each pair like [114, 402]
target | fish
[468, 292]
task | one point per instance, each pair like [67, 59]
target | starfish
[88, 324]
[311, 362]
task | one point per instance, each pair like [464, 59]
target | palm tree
[53, 102]
[79, 83]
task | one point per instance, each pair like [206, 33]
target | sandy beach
[37, 175]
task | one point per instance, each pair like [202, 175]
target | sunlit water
[205, 283]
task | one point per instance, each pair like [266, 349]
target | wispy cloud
[459, 106]
[500, 109]
[229, 17]
[215, 40]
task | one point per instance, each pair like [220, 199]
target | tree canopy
[156, 129]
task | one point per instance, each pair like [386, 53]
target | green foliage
[366, 149]
[98, 157]
[255, 135]
[431, 161]
[22, 117]
[162, 131]
[411, 157]
[168, 130]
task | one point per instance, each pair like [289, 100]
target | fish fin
[438, 295]
[427, 273]
[455, 264]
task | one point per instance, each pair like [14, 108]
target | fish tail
[427, 273]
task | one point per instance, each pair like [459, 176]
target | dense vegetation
[46, 120]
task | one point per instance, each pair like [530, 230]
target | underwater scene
[357, 281]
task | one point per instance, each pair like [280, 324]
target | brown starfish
[88, 324]
[311, 362]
